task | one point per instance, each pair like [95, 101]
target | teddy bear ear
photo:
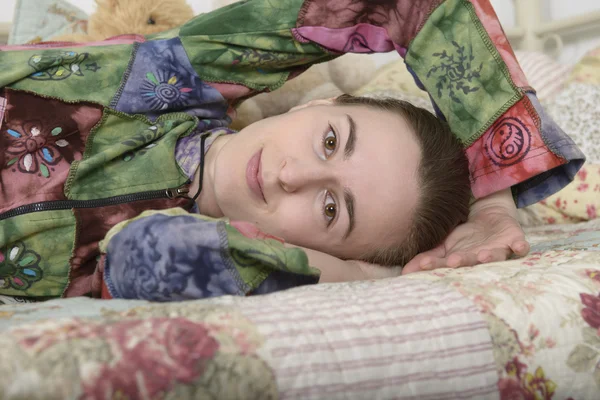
[111, 4]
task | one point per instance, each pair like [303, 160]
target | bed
[526, 328]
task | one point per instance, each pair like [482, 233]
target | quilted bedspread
[526, 329]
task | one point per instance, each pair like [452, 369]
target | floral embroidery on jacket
[34, 149]
[57, 66]
[19, 267]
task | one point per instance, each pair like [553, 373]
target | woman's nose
[295, 175]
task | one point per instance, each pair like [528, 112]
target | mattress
[527, 327]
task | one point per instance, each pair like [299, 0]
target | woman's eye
[151, 21]
[330, 142]
[330, 209]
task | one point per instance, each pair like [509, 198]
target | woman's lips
[253, 176]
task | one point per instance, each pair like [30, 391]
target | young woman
[95, 135]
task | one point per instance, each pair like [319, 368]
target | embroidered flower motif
[163, 90]
[32, 150]
[57, 65]
[19, 267]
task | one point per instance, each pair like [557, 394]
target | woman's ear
[317, 102]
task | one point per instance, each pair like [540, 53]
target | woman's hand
[334, 269]
[491, 233]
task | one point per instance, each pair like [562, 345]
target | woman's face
[339, 179]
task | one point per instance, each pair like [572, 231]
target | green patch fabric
[462, 70]
[36, 254]
[254, 259]
[250, 43]
[245, 17]
[132, 154]
[71, 74]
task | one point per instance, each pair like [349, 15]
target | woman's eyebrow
[349, 199]
[351, 142]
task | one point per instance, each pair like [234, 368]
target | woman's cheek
[293, 224]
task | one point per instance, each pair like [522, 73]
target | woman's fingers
[436, 258]
[520, 248]
[466, 259]
[492, 255]
[423, 259]
[434, 263]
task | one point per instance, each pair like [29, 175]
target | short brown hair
[443, 179]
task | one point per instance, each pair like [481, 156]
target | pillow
[576, 110]
[546, 75]
[393, 77]
[577, 202]
[39, 20]
[587, 69]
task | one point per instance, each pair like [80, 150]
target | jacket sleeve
[455, 49]
[173, 255]
[458, 52]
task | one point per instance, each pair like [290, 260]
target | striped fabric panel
[544, 74]
[391, 339]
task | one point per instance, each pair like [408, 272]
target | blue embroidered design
[163, 89]
[162, 78]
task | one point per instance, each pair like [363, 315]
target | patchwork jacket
[88, 135]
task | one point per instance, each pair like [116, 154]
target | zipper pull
[181, 191]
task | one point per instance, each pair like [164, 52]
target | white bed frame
[529, 32]
[532, 34]
[4, 31]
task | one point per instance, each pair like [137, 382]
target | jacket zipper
[170, 193]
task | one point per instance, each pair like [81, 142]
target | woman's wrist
[502, 199]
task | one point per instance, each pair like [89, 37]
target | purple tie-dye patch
[188, 152]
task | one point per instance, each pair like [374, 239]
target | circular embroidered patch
[508, 142]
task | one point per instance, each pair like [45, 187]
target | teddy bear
[117, 17]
